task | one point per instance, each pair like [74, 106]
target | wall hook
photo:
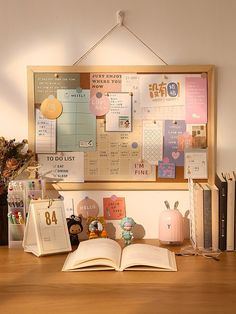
[120, 17]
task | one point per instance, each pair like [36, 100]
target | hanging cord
[149, 48]
[96, 45]
[120, 16]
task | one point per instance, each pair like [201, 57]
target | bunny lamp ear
[167, 204]
[176, 204]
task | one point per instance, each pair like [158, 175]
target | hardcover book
[234, 176]
[222, 186]
[207, 216]
[215, 216]
[198, 206]
[230, 210]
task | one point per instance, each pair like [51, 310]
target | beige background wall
[58, 32]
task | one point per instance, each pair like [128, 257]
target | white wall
[144, 207]
[58, 32]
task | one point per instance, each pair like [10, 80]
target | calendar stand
[46, 229]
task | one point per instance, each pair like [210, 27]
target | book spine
[234, 174]
[222, 186]
[207, 219]
[215, 217]
[230, 214]
[198, 209]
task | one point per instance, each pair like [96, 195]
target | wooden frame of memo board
[178, 183]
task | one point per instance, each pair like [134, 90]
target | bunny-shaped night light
[171, 229]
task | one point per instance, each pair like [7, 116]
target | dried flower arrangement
[14, 158]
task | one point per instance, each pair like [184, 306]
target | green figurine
[127, 224]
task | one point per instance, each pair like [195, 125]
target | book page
[30, 240]
[147, 255]
[103, 252]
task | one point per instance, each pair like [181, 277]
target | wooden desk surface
[29, 284]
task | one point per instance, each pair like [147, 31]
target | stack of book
[215, 212]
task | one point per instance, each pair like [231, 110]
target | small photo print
[124, 122]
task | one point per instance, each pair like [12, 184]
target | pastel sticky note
[51, 108]
[114, 207]
[99, 104]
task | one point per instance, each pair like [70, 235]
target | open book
[106, 254]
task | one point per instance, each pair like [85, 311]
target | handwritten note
[195, 164]
[119, 118]
[45, 139]
[130, 83]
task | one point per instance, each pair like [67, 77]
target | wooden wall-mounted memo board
[160, 100]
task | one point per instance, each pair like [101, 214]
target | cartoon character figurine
[96, 227]
[127, 224]
[75, 227]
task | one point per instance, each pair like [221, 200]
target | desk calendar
[46, 229]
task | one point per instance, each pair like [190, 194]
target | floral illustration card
[166, 169]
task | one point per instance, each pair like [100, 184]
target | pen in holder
[171, 225]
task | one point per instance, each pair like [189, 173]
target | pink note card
[113, 208]
[99, 104]
[196, 100]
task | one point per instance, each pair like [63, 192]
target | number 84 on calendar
[50, 218]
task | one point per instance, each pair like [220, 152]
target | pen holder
[3, 219]
[171, 227]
